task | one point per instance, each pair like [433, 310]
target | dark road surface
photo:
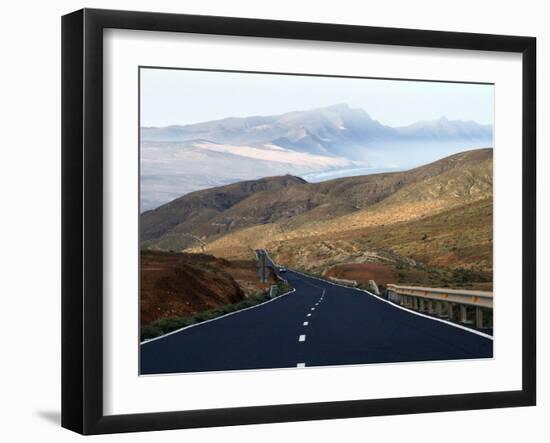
[317, 325]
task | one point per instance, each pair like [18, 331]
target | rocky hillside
[174, 225]
[178, 285]
[247, 213]
[431, 225]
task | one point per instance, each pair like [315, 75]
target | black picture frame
[82, 218]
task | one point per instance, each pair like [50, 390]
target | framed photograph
[268, 221]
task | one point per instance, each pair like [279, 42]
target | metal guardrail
[443, 302]
[343, 281]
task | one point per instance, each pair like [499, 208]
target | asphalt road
[317, 325]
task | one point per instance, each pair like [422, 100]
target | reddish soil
[176, 285]
[363, 272]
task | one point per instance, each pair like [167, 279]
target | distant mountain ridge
[336, 130]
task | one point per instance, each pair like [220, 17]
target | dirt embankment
[363, 272]
[177, 285]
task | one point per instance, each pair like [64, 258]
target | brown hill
[436, 231]
[179, 285]
[169, 226]
[240, 216]
[418, 250]
[431, 225]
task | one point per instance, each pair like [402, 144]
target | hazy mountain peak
[338, 130]
[181, 159]
[338, 107]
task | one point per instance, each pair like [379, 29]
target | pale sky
[180, 97]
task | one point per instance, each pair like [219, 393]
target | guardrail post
[421, 305]
[479, 317]
[463, 314]
[450, 312]
[431, 307]
[438, 309]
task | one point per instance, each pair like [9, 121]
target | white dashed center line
[302, 337]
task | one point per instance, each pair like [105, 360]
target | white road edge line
[306, 323]
[302, 337]
[217, 318]
[301, 365]
[464, 328]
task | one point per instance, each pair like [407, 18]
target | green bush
[171, 324]
[283, 287]
[150, 331]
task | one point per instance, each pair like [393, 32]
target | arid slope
[179, 284]
[424, 225]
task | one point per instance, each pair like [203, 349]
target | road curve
[319, 324]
